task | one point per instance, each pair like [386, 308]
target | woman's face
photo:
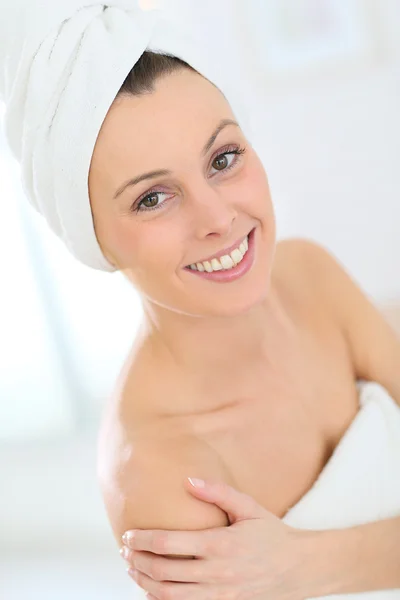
[154, 229]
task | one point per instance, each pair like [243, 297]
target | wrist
[329, 558]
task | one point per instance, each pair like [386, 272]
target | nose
[212, 213]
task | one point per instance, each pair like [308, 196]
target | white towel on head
[61, 64]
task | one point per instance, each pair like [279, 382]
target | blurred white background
[322, 78]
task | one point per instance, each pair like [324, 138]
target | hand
[256, 557]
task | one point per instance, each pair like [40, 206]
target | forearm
[357, 559]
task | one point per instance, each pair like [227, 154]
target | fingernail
[128, 536]
[196, 482]
[124, 552]
[132, 573]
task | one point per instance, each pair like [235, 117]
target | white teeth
[228, 261]
[216, 265]
[237, 256]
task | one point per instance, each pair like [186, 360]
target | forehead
[183, 106]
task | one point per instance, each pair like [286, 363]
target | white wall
[332, 151]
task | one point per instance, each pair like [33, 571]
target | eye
[150, 200]
[222, 161]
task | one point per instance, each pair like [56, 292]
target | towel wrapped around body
[361, 481]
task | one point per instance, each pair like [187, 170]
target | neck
[221, 356]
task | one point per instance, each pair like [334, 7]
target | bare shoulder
[142, 462]
[372, 339]
[320, 271]
[300, 255]
[300, 270]
[311, 263]
[142, 485]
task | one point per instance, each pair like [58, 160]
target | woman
[242, 374]
[245, 366]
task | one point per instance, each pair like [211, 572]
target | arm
[365, 557]
[146, 492]
[357, 559]
[374, 346]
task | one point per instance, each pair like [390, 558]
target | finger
[164, 589]
[199, 543]
[171, 569]
[237, 505]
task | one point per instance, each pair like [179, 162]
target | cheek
[123, 240]
[253, 189]
[258, 177]
[147, 249]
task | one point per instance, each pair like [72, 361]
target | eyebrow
[158, 172]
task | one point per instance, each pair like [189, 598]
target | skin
[223, 331]
[202, 328]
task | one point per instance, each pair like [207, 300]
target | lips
[227, 250]
[229, 275]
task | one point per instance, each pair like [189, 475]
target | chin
[236, 305]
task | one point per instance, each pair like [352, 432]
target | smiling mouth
[224, 260]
